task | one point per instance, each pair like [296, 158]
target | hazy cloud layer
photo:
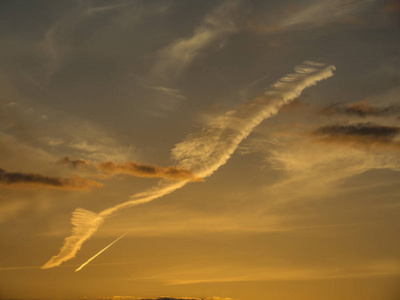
[29, 180]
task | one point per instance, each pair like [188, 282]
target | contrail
[202, 153]
[100, 252]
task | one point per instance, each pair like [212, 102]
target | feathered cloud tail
[85, 225]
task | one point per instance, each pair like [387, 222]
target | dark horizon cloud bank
[362, 109]
[163, 298]
[134, 169]
[203, 153]
[32, 180]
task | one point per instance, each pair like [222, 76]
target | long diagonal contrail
[98, 253]
[202, 153]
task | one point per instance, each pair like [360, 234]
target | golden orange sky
[202, 150]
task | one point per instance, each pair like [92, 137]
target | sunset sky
[219, 150]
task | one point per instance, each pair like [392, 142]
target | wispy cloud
[315, 164]
[362, 109]
[316, 14]
[174, 93]
[56, 44]
[176, 57]
[31, 180]
[203, 153]
[323, 12]
[368, 269]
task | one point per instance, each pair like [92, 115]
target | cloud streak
[203, 153]
[100, 252]
[32, 180]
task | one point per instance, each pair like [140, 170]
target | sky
[200, 150]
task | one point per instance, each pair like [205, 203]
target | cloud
[73, 163]
[133, 169]
[85, 224]
[362, 109]
[98, 253]
[322, 12]
[10, 104]
[140, 170]
[319, 13]
[368, 269]
[167, 100]
[370, 130]
[31, 180]
[56, 44]
[314, 165]
[175, 93]
[367, 135]
[203, 153]
[176, 57]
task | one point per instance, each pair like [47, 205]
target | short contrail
[100, 252]
[202, 153]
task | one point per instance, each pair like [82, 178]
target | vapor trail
[100, 252]
[203, 153]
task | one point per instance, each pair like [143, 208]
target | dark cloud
[364, 135]
[362, 109]
[26, 180]
[360, 129]
[141, 170]
[132, 168]
[73, 163]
